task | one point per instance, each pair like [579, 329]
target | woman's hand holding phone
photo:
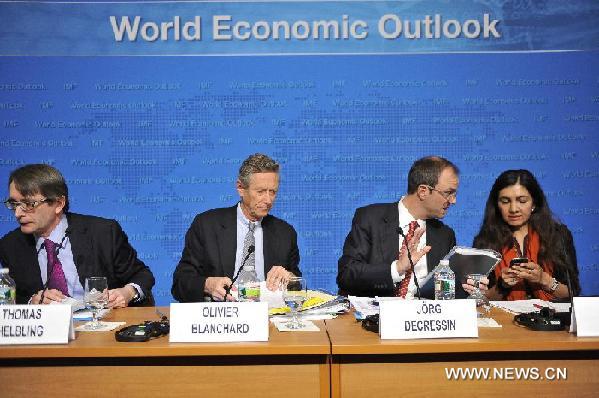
[509, 276]
[527, 270]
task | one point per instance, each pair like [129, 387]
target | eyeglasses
[448, 195]
[26, 205]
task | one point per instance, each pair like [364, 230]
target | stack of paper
[525, 306]
[319, 303]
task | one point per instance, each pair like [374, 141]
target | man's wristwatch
[135, 297]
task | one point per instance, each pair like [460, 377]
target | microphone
[251, 249]
[400, 231]
[60, 246]
[567, 317]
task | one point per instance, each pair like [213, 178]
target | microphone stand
[251, 249]
[568, 281]
[400, 231]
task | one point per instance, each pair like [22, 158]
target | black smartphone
[518, 260]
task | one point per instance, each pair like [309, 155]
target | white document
[274, 299]
[281, 325]
[487, 323]
[364, 305]
[584, 316]
[103, 327]
[462, 261]
[86, 315]
[517, 307]
[76, 305]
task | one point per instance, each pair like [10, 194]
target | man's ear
[422, 191]
[60, 204]
[240, 188]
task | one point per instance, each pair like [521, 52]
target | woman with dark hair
[519, 224]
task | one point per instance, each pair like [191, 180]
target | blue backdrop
[152, 133]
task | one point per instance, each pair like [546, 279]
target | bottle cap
[4, 270]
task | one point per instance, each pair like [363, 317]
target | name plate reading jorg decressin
[35, 324]
[427, 319]
[218, 322]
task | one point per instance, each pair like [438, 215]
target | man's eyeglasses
[26, 205]
[448, 195]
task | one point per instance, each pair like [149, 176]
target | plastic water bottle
[444, 282]
[8, 292]
[248, 284]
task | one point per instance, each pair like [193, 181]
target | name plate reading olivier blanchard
[35, 324]
[218, 322]
[426, 319]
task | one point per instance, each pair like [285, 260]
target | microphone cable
[400, 231]
[251, 249]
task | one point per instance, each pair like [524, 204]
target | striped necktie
[401, 289]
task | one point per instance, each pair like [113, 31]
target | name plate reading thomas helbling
[426, 319]
[218, 322]
[35, 324]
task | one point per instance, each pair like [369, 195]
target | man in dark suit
[214, 244]
[374, 260]
[53, 251]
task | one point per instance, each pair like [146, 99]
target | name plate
[585, 321]
[218, 322]
[427, 319]
[35, 324]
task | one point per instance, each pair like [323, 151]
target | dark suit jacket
[364, 268]
[100, 248]
[210, 246]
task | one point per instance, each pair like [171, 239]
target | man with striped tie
[375, 259]
[220, 240]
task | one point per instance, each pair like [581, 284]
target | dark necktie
[401, 289]
[56, 277]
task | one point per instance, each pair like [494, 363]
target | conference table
[516, 360]
[95, 364]
[340, 360]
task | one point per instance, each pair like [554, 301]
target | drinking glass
[96, 298]
[481, 299]
[295, 293]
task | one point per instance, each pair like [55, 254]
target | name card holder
[218, 322]
[427, 319]
[584, 316]
[36, 324]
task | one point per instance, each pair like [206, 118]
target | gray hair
[46, 180]
[256, 163]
